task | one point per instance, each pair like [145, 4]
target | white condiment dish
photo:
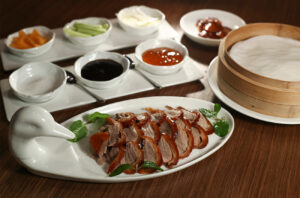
[89, 41]
[189, 20]
[37, 81]
[82, 61]
[35, 51]
[140, 20]
[153, 43]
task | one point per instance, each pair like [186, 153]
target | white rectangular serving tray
[64, 49]
[133, 83]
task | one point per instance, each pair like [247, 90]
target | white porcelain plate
[74, 161]
[212, 80]
[189, 20]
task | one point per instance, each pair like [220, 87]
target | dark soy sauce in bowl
[101, 70]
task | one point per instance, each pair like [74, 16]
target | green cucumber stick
[89, 31]
[87, 26]
[71, 32]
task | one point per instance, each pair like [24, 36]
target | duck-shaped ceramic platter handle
[35, 138]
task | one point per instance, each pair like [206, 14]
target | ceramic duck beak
[32, 121]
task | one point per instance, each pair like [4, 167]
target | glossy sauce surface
[162, 56]
[101, 70]
[212, 28]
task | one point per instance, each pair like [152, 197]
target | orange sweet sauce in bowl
[162, 56]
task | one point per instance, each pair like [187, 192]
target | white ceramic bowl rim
[157, 12]
[160, 43]
[102, 19]
[51, 37]
[42, 66]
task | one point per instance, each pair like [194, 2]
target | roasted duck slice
[200, 137]
[117, 161]
[168, 150]
[116, 133]
[99, 142]
[205, 124]
[133, 156]
[184, 139]
[151, 130]
[151, 153]
[133, 133]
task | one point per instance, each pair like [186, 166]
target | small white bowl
[37, 81]
[35, 51]
[144, 29]
[82, 61]
[89, 41]
[153, 43]
[189, 20]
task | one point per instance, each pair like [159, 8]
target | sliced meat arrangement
[159, 136]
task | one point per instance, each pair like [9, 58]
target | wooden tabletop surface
[260, 159]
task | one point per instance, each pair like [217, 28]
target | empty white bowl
[37, 81]
[126, 18]
[82, 61]
[153, 43]
[89, 41]
[189, 20]
[35, 51]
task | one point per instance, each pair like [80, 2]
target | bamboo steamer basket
[253, 91]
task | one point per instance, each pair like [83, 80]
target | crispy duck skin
[156, 132]
[125, 118]
[117, 160]
[142, 119]
[99, 142]
[157, 115]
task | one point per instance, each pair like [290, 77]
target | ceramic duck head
[28, 124]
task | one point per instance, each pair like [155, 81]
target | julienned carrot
[37, 37]
[25, 41]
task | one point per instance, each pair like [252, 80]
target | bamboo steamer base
[263, 107]
[252, 87]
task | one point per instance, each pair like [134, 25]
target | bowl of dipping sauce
[37, 81]
[161, 57]
[88, 31]
[140, 20]
[209, 26]
[30, 42]
[101, 70]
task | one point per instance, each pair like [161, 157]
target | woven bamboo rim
[257, 29]
[254, 88]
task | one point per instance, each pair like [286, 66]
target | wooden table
[259, 160]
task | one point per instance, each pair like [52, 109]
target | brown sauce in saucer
[212, 28]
